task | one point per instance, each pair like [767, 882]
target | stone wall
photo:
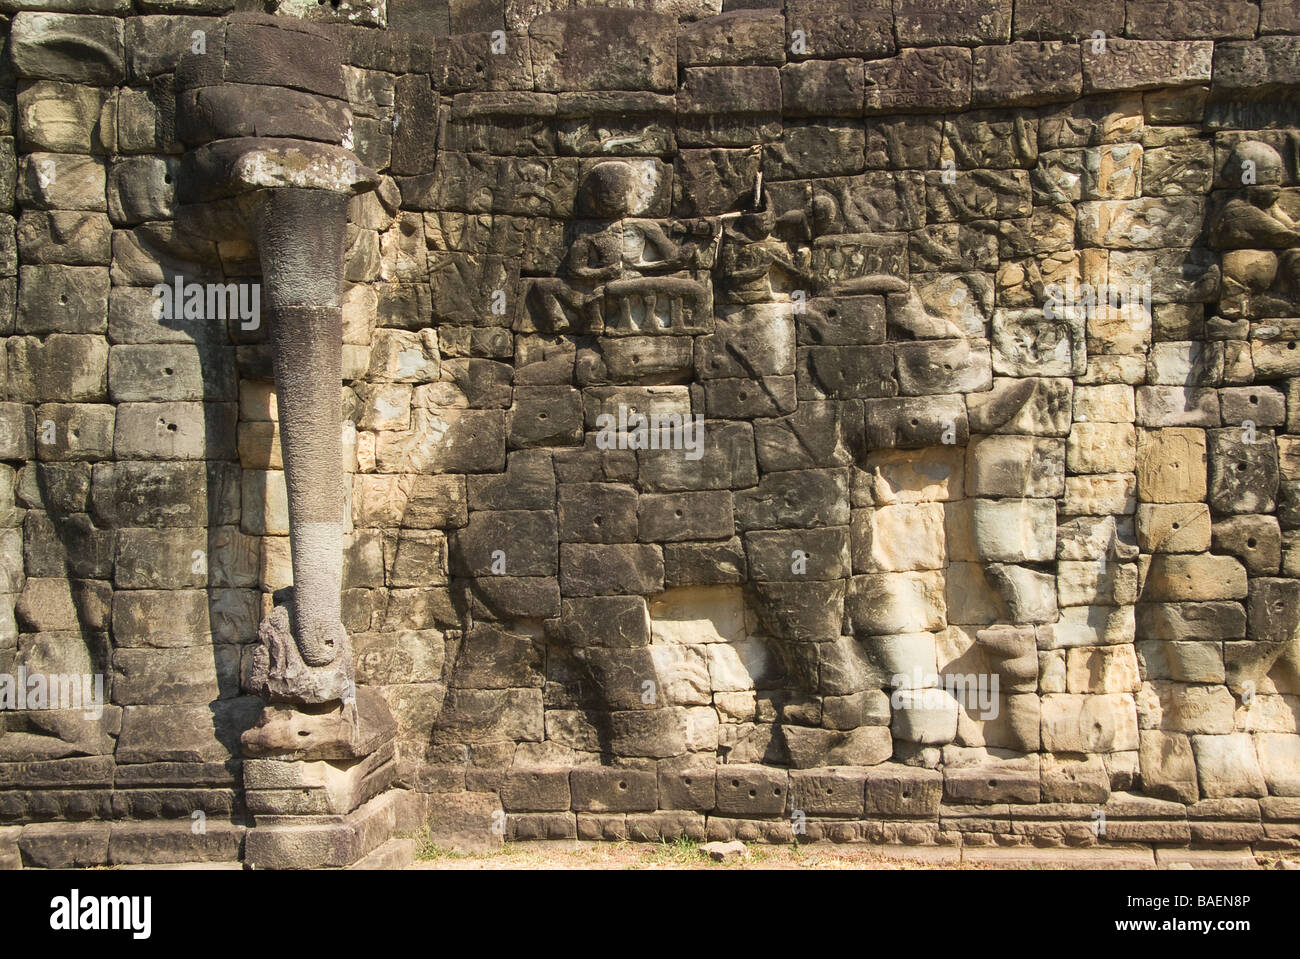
[954, 557]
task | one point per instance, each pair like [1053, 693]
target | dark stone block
[515, 597]
[79, 49]
[527, 483]
[515, 542]
[737, 38]
[621, 569]
[735, 91]
[919, 23]
[607, 789]
[416, 105]
[467, 62]
[545, 416]
[903, 792]
[278, 54]
[1026, 74]
[669, 517]
[726, 462]
[915, 422]
[842, 321]
[536, 789]
[611, 621]
[935, 80]
[842, 28]
[604, 49]
[492, 658]
[846, 372]
[822, 88]
[798, 555]
[150, 494]
[803, 612]
[1052, 20]
[751, 790]
[689, 788]
[1242, 476]
[1272, 609]
[795, 498]
[704, 564]
[597, 513]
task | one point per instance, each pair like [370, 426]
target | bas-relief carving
[628, 275]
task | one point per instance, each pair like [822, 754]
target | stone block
[608, 789]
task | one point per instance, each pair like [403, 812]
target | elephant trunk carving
[264, 114]
[301, 272]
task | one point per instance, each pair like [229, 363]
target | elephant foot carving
[280, 674]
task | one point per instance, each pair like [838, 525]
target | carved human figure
[748, 254]
[613, 247]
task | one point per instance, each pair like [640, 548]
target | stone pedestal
[317, 781]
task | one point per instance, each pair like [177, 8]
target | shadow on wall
[139, 570]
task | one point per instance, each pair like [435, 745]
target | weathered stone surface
[61, 47]
[1228, 766]
[1171, 465]
[1026, 74]
[590, 570]
[844, 234]
[1145, 64]
[600, 49]
[932, 80]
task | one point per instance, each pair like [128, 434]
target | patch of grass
[680, 852]
[426, 849]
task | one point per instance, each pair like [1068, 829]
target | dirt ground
[690, 855]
